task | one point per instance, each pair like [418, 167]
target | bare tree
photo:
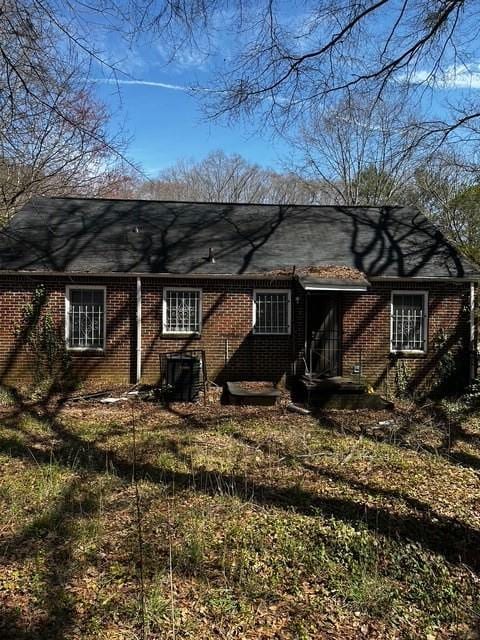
[227, 178]
[119, 182]
[292, 59]
[42, 154]
[466, 231]
[291, 188]
[365, 154]
[281, 58]
[53, 133]
[288, 57]
[447, 190]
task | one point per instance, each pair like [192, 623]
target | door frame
[310, 297]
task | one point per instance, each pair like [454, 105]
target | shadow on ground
[457, 542]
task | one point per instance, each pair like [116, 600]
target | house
[267, 291]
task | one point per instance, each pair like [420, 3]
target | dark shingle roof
[97, 236]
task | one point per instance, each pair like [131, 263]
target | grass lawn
[255, 523]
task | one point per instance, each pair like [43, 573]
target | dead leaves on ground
[240, 530]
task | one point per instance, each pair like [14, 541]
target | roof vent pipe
[211, 257]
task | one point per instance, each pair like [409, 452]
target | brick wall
[366, 334]
[232, 351]
[114, 364]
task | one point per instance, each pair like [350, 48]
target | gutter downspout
[293, 327]
[473, 342]
[305, 346]
[138, 370]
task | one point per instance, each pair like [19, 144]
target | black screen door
[323, 335]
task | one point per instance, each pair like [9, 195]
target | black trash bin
[183, 377]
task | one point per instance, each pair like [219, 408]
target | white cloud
[184, 58]
[454, 77]
[144, 83]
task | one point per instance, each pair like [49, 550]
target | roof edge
[146, 274]
[220, 276]
[468, 278]
[222, 203]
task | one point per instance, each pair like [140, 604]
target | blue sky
[165, 121]
[167, 124]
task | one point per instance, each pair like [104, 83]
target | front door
[323, 334]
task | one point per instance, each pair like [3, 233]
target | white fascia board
[334, 287]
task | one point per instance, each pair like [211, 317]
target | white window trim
[289, 312]
[170, 332]
[68, 288]
[409, 292]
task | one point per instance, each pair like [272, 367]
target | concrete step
[334, 384]
[350, 401]
[244, 393]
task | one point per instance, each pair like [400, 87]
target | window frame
[289, 312]
[68, 290]
[171, 332]
[410, 292]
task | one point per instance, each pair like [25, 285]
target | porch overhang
[310, 283]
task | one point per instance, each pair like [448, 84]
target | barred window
[182, 310]
[271, 312]
[409, 321]
[85, 318]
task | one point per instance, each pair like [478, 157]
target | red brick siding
[232, 351]
[114, 364]
[366, 332]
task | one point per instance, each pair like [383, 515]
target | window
[85, 317]
[409, 321]
[182, 310]
[271, 312]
